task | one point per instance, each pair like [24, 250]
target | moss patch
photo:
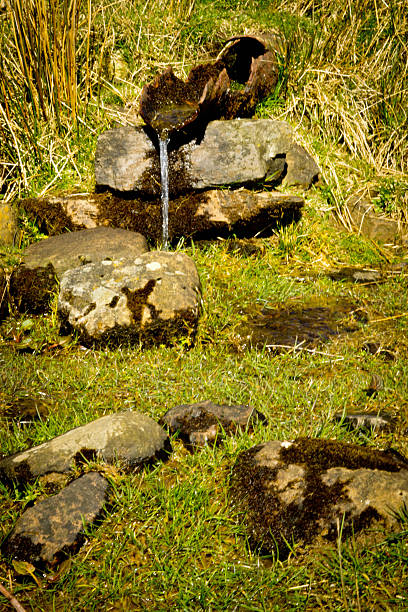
[274, 525]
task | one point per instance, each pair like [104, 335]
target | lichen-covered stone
[233, 152]
[302, 490]
[205, 422]
[128, 437]
[53, 528]
[155, 298]
[8, 224]
[34, 282]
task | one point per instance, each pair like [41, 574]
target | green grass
[171, 539]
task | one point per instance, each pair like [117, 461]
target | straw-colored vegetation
[70, 69]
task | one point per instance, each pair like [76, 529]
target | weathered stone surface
[53, 528]
[235, 152]
[369, 222]
[34, 281]
[155, 298]
[73, 249]
[205, 422]
[206, 214]
[301, 490]
[8, 225]
[130, 437]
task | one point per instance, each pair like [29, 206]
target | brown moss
[137, 301]
[274, 525]
[31, 289]
[50, 216]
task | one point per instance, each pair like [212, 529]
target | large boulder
[153, 299]
[310, 488]
[129, 437]
[53, 528]
[43, 264]
[235, 152]
[204, 215]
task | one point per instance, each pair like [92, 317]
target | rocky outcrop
[200, 215]
[53, 528]
[128, 437]
[153, 299]
[206, 423]
[310, 488]
[235, 152]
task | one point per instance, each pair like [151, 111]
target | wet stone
[53, 528]
[205, 422]
[295, 325]
[131, 438]
[366, 422]
[303, 490]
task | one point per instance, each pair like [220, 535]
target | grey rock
[303, 490]
[53, 528]
[129, 437]
[205, 422]
[154, 299]
[35, 280]
[206, 214]
[74, 249]
[233, 152]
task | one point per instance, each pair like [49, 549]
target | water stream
[164, 174]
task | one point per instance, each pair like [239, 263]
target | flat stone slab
[74, 249]
[44, 263]
[302, 490]
[128, 437]
[208, 214]
[154, 299]
[52, 529]
[233, 152]
[205, 422]
[366, 422]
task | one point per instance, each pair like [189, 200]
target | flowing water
[164, 174]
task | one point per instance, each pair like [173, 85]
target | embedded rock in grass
[52, 529]
[371, 222]
[205, 422]
[154, 299]
[44, 262]
[365, 421]
[310, 488]
[128, 437]
[207, 214]
[233, 152]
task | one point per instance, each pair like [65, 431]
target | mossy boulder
[307, 489]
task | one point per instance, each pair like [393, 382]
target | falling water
[164, 173]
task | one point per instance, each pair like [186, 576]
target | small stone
[128, 437]
[366, 422]
[205, 422]
[53, 528]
